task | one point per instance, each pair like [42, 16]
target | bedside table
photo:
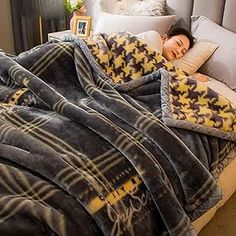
[58, 36]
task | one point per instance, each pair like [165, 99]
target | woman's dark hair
[177, 31]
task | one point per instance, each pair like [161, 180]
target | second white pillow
[134, 24]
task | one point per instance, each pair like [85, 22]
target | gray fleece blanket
[81, 155]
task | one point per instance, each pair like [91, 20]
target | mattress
[227, 179]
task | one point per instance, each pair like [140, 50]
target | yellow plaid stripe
[75, 159]
[16, 96]
[97, 203]
[48, 58]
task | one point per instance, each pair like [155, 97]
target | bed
[92, 147]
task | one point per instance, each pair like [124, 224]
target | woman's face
[175, 47]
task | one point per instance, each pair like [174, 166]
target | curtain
[34, 19]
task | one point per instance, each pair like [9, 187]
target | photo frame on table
[82, 26]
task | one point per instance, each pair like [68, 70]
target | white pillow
[135, 24]
[152, 39]
[195, 56]
[140, 8]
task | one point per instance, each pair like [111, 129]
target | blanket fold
[186, 103]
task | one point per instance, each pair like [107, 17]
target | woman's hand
[200, 77]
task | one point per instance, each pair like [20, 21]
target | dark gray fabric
[70, 137]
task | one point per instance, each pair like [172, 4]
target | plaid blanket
[81, 155]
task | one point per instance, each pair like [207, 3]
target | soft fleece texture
[81, 155]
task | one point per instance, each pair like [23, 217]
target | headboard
[221, 11]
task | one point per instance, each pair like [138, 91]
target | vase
[80, 12]
[75, 13]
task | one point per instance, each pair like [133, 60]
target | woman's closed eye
[179, 43]
[184, 51]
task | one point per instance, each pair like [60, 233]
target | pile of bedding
[83, 155]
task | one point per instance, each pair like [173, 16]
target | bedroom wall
[6, 34]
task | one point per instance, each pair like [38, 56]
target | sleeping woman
[173, 45]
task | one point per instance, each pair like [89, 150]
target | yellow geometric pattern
[15, 97]
[125, 57]
[193, 101]
[97, 203]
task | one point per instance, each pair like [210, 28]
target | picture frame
[82, 26]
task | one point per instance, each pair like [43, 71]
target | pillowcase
[221, 65]
[152, 39]
[135, 24]
[140, 8]
[195, 57]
